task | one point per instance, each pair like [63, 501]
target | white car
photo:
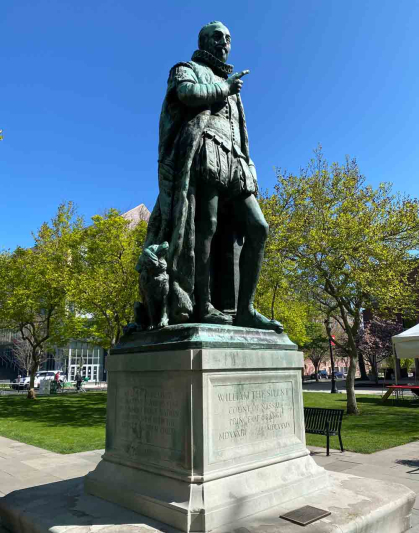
[24, 383]
[49, 375]
[43, 375]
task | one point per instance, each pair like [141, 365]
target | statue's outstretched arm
[194, 94]
[200, 94]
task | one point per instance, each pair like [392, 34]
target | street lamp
[334, 389]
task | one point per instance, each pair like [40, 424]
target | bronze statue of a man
[204, 165]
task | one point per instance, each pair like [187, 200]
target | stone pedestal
[205, 426]
[205, 433]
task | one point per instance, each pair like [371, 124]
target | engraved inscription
[250, 412]
[149, 416]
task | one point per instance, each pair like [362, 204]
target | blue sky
[82, 83]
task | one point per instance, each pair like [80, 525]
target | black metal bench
[328, 422]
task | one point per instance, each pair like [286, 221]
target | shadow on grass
[409, 404]
[79, 410]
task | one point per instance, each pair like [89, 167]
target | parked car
[18, 384]
[339, 375]
[24, 383]
[322, 374]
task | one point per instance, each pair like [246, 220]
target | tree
[275, 298]
[104, 284]
[34, 286]
[317, 348]
[375, 343]
[344, 244]
[22, 352]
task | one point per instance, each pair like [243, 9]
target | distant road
[324, 385]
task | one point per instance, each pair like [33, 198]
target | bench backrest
[317, 417]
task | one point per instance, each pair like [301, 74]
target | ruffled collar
[220, 68]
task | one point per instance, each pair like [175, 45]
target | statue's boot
[252, 319]
[213, 316]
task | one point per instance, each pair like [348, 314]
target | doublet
[219, 159]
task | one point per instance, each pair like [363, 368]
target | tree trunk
[351, 406]
[374, 372]
[31, 390]
[273, 302]
[374, 369]
[416, 369]
[361, 363]
[397, 370]
[316, 370]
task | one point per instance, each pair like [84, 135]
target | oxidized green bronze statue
[207, 187]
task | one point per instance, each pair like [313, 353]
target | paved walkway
[23, 466]
[398, 465]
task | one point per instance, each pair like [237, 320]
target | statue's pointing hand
[235, 82]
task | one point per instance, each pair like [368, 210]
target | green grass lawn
[378, 427]
[69, 423]
[66, 423]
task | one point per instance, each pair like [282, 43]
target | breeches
[223, 168]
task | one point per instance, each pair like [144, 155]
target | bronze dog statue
[154, 287]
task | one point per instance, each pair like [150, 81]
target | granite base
[357, 505]
[198, 507]
[204, 423]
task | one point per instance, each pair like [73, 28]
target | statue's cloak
[173, 216]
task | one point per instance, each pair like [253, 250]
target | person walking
[79, 380]
[57, 380]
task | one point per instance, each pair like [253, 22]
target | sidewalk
[23, 466]
[397, 465]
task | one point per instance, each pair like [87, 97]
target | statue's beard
[220, 53]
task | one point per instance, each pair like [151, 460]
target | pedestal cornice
[195, 336]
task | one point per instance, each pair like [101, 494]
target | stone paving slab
[23, 466]
[46, 462]
[399, 464]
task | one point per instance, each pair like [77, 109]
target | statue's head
[215, 38]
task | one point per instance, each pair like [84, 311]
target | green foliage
[274, 298]
[317, 347]
[104, 282]
[34, 286]
[75, 282]
[342, 245]
[318, 339]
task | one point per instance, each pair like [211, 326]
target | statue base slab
[205, 425]
[356, 504]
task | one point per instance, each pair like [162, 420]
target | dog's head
[153, 258]
[162, 249]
